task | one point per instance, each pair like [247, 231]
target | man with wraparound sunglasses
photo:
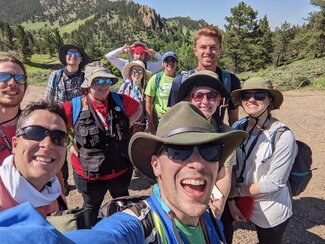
[101, 122]
[64, 84]
[158, 89]
[39, 149]
[13, 85]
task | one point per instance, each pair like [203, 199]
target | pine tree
[22, 43]
[240, 38]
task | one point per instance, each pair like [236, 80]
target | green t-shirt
[194, 234]
[161, 94]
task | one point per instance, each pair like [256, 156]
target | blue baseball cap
[169, 54]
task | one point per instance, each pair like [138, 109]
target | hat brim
[143, 145]
[147, 57]
[103, 74]
[63, 51]
[126, 71]
[277, 96]
[203, 80]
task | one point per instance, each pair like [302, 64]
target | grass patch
[74, 25]
[306, 73]
[35, 26]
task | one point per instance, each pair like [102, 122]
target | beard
[10, 102]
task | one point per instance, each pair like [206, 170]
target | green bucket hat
[183, 124]
[97, 69]
[258, 83]
[201, 78]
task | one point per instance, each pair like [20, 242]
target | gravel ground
[303, 112]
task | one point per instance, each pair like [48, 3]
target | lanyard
[240, 179]
[5, 139]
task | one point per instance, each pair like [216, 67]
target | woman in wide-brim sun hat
[263, 167]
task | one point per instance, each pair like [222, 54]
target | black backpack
[301, 171]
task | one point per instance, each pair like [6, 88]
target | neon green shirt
[161, 94]
[194, 234]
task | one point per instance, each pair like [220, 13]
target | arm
[49, 90]
[136, 115]
[154, 66]
[118, 62]
[149, 111]
[120, 228]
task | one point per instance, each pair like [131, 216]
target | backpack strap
[226, 80]
[57, 79]
[117, 99]
[240, 124]
[158, 78]
[76, 108]
[276, 135]
[186, 74]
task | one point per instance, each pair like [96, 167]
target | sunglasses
[170, 60]
[210, 152]
[211, 96]
[77, 54]
[101, 81]
[19, 78]
[38, 133]
[140, 71]
[258, 96]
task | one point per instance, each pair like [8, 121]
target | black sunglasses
[19, 78]
[258, 96]
[170, 60]
[38, 133]
[210, 152]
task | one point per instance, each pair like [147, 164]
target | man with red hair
[136, 51]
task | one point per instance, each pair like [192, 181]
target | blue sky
[214, 11]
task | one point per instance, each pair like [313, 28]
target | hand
[217, 205]
[235, 212]
[152, 128]
[151, 52]
[233, 192]
[126, 48]
[73, 150]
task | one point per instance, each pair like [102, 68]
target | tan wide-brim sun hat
[97, 69]
[63, 52]
[203, 78]
[258, 83]
[127, 68]
[147, 57]
[183, 124]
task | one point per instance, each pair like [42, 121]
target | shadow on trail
[141, 182]
[308, 212]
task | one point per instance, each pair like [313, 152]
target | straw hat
[126, 70]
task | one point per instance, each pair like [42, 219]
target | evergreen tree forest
[249, 44]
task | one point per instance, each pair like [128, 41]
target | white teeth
[193, 182]
[11, 93]
[46, 160]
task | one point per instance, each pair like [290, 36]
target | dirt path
[304, 113]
